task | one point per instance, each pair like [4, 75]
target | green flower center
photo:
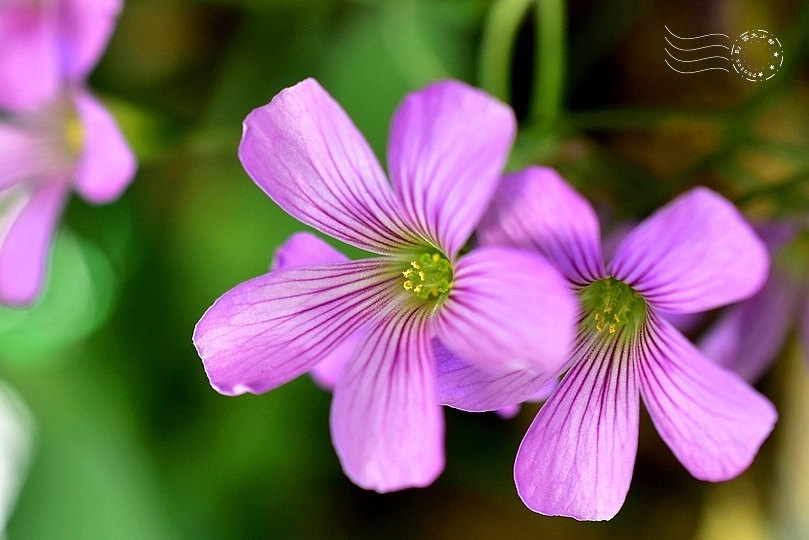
[612, 307]
[428, 276]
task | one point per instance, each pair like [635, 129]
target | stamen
[429, 276]
[615, 307]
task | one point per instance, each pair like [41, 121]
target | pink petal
[85, 28]
[711, 419]
[577, 457]
[30, 67]
[448, 145]
[386, 422]
[508, 310]
[466, 387]
[307, 155]
[275, 327]
[694, 254]
[535, 209]
[328, 371]
[32, 148]
[748, 336]
[25, 246]
[107, 164]
[302, 249]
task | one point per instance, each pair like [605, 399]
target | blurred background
[130, 441]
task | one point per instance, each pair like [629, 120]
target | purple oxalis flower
[68, 141]
[50, 44]
[448, 144]
[694, 254]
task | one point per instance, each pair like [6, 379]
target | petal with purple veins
[577, 457]
[448, 145]
[694, 254]
[712, 420]
[535, 209]
[387, 426]
[469, 388]
[508, 310]
[275, 327]
[306, 154]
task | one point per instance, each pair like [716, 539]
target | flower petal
[535, 209]
[26, 243]
[31, 150]
[30, 68]
[712, 420]
[694, 254]
[107, 164]
[387, 425]
[85, 28]
[466, 387]
[307, 155]
[273, 328]
[748, 336]
[508, 310]
[448, 145]
[303, 249]
[577, 457]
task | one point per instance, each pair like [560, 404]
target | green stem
[497, 46]
[549, 71]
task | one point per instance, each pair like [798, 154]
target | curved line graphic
[698, 37]
[698, 48]
[698, 59]
[699, 70]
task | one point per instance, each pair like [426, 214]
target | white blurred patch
[16, 442]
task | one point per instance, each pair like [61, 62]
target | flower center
[611, 306]
[429, 275]
[74, 133]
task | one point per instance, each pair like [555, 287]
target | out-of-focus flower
[48, 45]
[70, 143]
[447, 147]
[694, 254]
[55, 136]
[747, 336]
[16, 442]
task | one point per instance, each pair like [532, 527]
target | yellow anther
[407, 273]
[436, 257]
[415, 265]
[598, 316]
[407, 285]
[616, 317]
[423, 276]
[608, 309]
[418, 288]
[434, 291]
[600, 326]
[612, 328]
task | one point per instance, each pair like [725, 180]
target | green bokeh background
[131, 442]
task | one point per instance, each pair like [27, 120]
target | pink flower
[59, 136]
[50, 44]
[447, 147]
[692, 255]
